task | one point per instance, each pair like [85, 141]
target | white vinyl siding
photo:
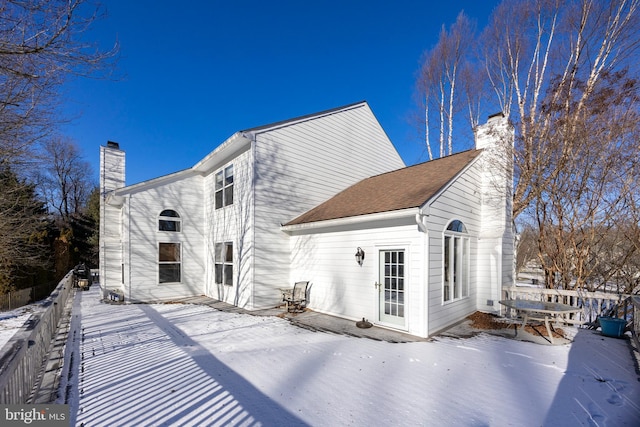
[142, 237]
[460, 201]
[268, 176]
[232, 225]
[298, 166]
[341, 287]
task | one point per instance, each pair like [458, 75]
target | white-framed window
[169, 263]
[224, 187]
[169, 220]
[455, 260]
[224, 263]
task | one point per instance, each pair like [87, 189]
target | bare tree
[439, 78]
[527, 248]
[40, 46]
[65, 178]
[583, 200]
[65, 181]
[92, 215]
[566, 74]
[533, 45]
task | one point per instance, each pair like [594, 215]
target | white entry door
[391, 287]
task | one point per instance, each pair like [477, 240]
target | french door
[391, 287]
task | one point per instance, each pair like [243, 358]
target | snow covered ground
[188, 365]
[11, 321]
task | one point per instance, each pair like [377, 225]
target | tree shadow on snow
[188, 386]
[599, 386]
[243, 403]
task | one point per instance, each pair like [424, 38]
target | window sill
[453, 301]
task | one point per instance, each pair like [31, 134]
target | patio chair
[295, 298]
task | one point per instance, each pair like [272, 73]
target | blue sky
[192, 73]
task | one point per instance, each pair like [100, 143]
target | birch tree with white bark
[566, 74]
[438, 82]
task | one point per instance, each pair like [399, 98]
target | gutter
[127, 282]
[404, 213]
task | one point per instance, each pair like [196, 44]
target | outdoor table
[539, 310]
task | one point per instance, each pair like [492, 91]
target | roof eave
[153, 182]
[289, 122]
[445, 187]
[234, 145]
[352, 220]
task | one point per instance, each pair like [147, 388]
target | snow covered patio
[185, 364]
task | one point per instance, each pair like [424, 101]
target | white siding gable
[300, 164]
[142, 238]
[461, 201]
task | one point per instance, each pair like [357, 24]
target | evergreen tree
[24, 229]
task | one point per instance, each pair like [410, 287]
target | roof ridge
[423, 163]
[304, 117]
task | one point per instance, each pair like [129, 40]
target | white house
[295, 200]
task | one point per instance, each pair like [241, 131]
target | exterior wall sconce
[360, 256]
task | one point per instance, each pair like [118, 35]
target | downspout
[422, 218]
[102, 259]
[252, 202]
[128, 282]
[251, 205]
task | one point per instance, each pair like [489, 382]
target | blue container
[612, 326]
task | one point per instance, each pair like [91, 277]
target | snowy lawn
[12, 321]
[175, 364]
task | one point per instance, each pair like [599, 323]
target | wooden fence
[22, 358]
[635, 301]
[22, 297]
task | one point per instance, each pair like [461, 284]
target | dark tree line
[48, 220]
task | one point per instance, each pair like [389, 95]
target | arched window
[457, 225]
[455, 260]
[169, 220]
